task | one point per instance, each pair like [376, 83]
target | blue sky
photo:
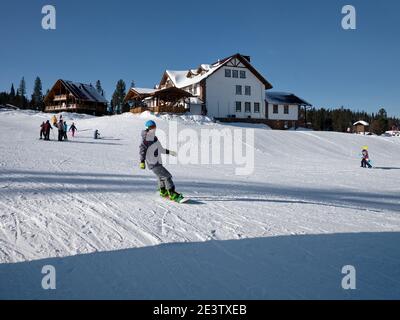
[299, 46]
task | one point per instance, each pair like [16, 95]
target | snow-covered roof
[364, 123]
[143, 90]
[181, 78]
[284, 98]
[195, 100]
[84, 91]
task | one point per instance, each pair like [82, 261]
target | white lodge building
[228, 90]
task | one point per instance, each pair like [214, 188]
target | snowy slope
[283, 232]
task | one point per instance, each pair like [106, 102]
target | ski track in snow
[83, 196]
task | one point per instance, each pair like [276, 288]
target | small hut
[361, 127]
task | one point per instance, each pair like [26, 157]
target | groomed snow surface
[283, 232]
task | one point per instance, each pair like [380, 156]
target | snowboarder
[42, 130]
[65, 130]
[47, 128]
[60, 127]
[73, 129]
[96, 134]
[365, 159]
[150, 152]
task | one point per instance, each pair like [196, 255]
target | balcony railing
[61, 107]
[60, 97]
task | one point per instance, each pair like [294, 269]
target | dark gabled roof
[245, 60]
[285, 98]
[83, 91]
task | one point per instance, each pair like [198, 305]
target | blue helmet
[150, 124]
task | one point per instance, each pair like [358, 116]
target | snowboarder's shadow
[192, 201]
[387, 168]
[110, 138]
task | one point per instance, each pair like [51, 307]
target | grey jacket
[150, 150]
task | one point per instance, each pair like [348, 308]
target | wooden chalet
[68, 96]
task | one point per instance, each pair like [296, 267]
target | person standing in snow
[65, 130]
[47, 128]
[365, 159]
[150, 151]
[73, 129]
[54, 120]
[96, 134]
[42, 130]
[60, 127]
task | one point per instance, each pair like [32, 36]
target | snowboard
[182, 200]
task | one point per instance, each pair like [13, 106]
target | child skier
[365, 159]
[73, 129]
[150, 153]
[54, 120]
[65, 130]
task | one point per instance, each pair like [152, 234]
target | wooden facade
[361, 127]
[169, 100]
[68, 96]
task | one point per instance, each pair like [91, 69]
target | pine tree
[21, 94]
[12, 91]
[22, 87]
[37, 95]
[118, 97]
[99, 88]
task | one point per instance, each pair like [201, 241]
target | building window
[228, 73]
[238, 106]
[243, 74]
[275, 108]
[247, 90]
[286, 109]
[235, 74]
[247, 107]
[238, 90]
[256, 107]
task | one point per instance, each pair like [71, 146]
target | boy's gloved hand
[142, 165]
[172, 153]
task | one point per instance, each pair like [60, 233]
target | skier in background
[42, 130]
[365, 159]
[150, 152]
[54, 120]
[60, 127]
[73, 129]
[96, 134]
[47, 128]
[65, 130]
